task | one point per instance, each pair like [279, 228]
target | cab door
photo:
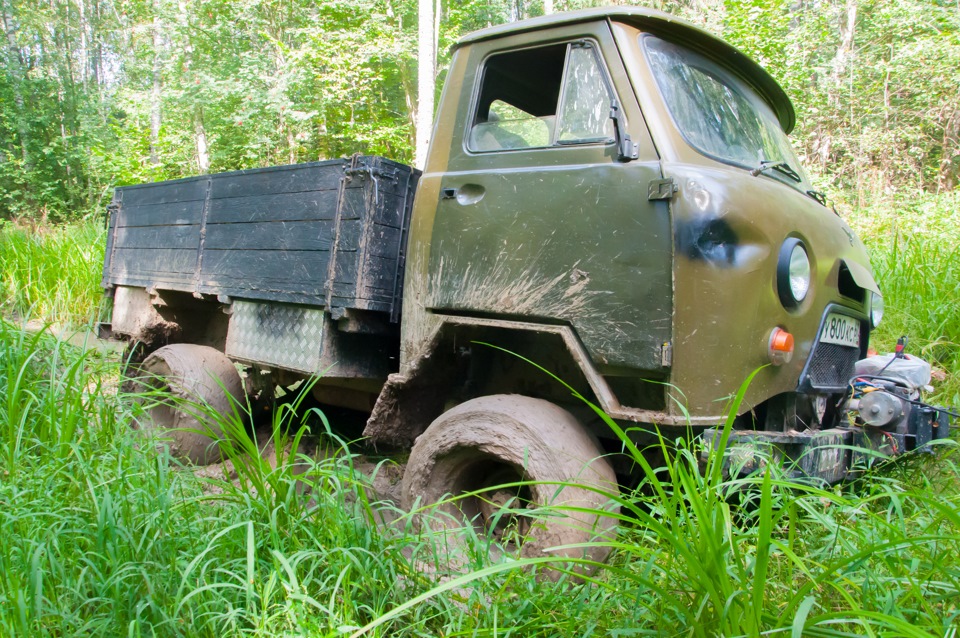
[541, 217]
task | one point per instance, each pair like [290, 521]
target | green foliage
[100, 535]
[52, 274]
[913, 243]
[245, 84]
[876, 101]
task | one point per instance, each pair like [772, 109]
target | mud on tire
[192, 375]
[500, 439]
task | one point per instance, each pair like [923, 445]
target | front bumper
[829, 455]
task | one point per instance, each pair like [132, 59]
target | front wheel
[470, 452]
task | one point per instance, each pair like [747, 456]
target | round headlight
[793, 273]
[876, 309]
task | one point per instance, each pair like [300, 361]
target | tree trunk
[947, 179]
[426, 80]
[84, 45]
[15, 69]
[547, 7]
[200, 134]
[155, 113]
[844, 56]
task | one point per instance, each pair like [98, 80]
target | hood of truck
[729, 227]
[669, 27]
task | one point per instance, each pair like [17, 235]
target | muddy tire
[500, 439]
[192, 375]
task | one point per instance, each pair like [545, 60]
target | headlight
[876, 309]
[793, 273]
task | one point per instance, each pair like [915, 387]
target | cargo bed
[326, 234]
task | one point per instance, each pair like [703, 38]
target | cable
[893, 441]
[898, 353]
[955, 415]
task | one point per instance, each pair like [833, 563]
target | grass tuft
[52, 275]
[914, 245]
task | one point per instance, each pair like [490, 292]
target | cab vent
[848, 287]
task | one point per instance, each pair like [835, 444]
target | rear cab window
[541, 97]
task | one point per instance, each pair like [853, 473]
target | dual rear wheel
[190, 389]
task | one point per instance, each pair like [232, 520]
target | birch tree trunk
[203, 152]
[15, 69]
[426, 80]
[844, 56]
[155, 113]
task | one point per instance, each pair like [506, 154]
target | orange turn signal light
[780, 346]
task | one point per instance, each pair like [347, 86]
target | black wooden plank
[378, 272]
[306, 298]
[181, 190]
[389, 210]
[345, 268]
[281, 207]
[256, 268]
[153, 261]
[267, 290]
[173, 213]
[108, 251]
[361, 304]
[391, 177]
[349, 233]
[278, 179]
[382, 241]
[376, 294]
[158, 281]
[158, 237]
[309, 235]
[354, 204]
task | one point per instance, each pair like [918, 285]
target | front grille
[831, 366]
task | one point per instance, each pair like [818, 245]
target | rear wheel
[486, 444]
[199, 381]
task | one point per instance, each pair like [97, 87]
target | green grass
[914, 245]
[52, 274]
[103, 534]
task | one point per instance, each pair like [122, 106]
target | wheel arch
[469, 357]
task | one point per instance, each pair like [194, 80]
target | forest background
[100, 93]
[99, 538]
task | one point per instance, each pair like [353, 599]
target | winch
[885, 405]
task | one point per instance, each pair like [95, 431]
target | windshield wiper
[819, 196]
[780, 167]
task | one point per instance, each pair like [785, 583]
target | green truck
[608, 193]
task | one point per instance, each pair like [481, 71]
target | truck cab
[619, 185]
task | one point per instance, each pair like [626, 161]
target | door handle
[465, 195]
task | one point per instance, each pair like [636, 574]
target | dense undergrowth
[52, 274]
[101, 534]
[914, 244]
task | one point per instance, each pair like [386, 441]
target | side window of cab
[541, 97]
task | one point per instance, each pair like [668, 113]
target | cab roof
[669, 28]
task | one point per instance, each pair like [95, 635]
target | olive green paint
[568, 235]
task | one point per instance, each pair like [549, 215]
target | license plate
[841, 330]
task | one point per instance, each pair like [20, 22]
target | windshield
[717, 113]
